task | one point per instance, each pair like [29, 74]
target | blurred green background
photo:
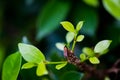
[38, 22]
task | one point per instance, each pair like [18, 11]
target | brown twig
[90, 70]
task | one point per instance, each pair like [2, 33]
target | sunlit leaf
[113, 7]
[79, 25]
[60, 46]
[49, 20]
[31, 53]
[59, 66]
[88, 51]
[68, 26]
[28, 65]
[102, 46]
[107, 78]
[94, 60]
[94, 3]
[82, 56]
[69, 37]
[11, 67]
[41, 69]
[80, 38]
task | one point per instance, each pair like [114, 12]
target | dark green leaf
[53, 13]
[71, 75]
[31, 53]
[11, 67]
[87, 14]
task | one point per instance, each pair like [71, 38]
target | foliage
[37, 22]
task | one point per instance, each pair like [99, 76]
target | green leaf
[113, 7]
[68, 26]
[60, 46]
[102, 46]
[48, 20]
[88, 51]
[94, 60]
[80, 38]
[83, 57]
[11, 67]
[28, 65]
[71, 75]
[79, 25]
[41, 69]
[84, 13]
[31, 53]
[94, 3]
[59, 66]
[69, 37]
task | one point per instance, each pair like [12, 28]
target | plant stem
[73, 46]
[47, 62]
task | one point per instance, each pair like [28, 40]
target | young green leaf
[80, 38]
[28, 65]
[79, 25]
[41, 69]
[59, 66]
[69, 37]
[83, 57]
[31, 53]
[94, 60]
[88, 51]
[60, 46]
[102, 46]
[68, 26]
[11, 67]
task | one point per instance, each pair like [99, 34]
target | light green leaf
[83, 57]
[79, 25]
[41, 69]
[28, 65]
[94, 60]
[94, 3]
[80, 38]
[69, 37]
[59, 66]
[113, 7]
[11, 67]
[31, 53]
[102, 46]
[60, 46]
[48, 20]
[68, 26]
[88, 51]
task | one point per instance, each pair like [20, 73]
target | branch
[90, 70]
